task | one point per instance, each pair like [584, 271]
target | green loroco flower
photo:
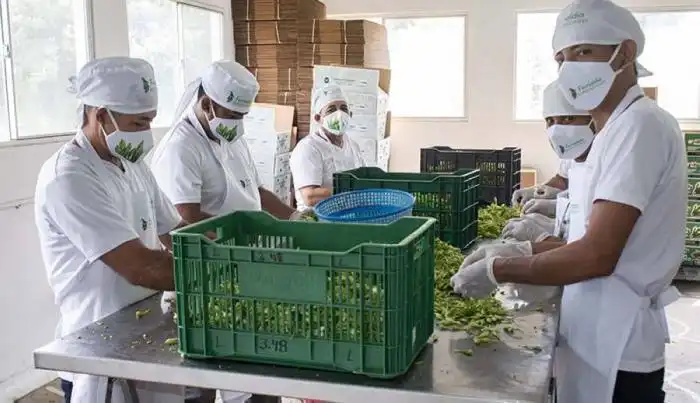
[228, 133]
[128, 151]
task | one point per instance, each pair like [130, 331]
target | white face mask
[228, 130]
[586, 84]
[131, 146]
[570, 141]
[337, 122]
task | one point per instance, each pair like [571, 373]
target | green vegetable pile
[493, 218]
[344, 322]
[480, 317]
[341, 319]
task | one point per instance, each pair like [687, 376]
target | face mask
[336, 122]
[228, 130]
[586, 84]
[131, 146]
[570, 141]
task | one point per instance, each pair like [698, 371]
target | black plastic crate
[500, 169]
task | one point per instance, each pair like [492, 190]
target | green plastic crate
[451, 198]
[324, 296]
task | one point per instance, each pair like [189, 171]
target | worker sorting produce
[570, 133]
[615, 269]
[326, 150]
[102, 220]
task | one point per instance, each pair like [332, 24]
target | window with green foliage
[44, 43]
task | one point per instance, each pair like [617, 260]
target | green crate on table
[694, 165]
[693, 210]
[451, 197]
[692, 230]
[692, 142]
[324, 296]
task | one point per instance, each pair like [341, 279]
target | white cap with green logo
[227, 83]
[598, 22]
[121, 84]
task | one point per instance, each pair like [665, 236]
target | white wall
[28, 315]
[490, 76]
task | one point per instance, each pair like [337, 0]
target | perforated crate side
[317, 295]
[500, 169]
[451, 198]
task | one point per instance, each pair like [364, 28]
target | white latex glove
[524, 229]
[522, 196]
[542, 206]
[301, 215]
[475, 277]
[167, 302]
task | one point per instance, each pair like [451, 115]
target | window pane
[675, 74]
[4, 115]
[675, 71]
[49, 45]
[415, 44]
[153, 37]
[535, 67]
[202, 40]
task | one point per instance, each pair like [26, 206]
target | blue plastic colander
[377, 206]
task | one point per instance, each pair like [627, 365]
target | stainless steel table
[518, 369]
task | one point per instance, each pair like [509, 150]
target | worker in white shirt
[326, 150]
[570, 133]
[626, 234]
[103, 223]
[203, 163]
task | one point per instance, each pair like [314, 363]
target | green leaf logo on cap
[230, 97]
[147, 84]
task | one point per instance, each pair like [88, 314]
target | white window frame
[7, 66]
[180, 47]
[413, 15]
[634, 10]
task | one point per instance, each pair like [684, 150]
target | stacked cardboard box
[270, 138]
[356, 43]
[265, 35]
[366, 90]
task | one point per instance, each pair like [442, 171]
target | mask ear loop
[614, 55]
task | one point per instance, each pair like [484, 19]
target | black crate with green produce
[500, 169]
[451, 198]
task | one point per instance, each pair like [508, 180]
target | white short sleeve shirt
[639, 160]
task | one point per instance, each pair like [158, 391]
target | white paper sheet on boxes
[347, 78]
[383, 153]
[271, 168]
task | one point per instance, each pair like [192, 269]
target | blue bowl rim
[372, 190]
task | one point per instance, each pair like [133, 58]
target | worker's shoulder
[183, 136]
[646, 122]
[70, 161]
[308, 147]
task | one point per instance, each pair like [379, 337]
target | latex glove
[167, 302]
[475, 277]
[522, 196]
[542, 206]
[525, 229]
[301, 215]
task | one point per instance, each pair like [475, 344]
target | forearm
[273, 205]
[546, 245]
[167, 240]
[558, 182]
[316, 194]
[157, 272]
[551, 264]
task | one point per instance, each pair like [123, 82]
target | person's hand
[525, 229]
[542, 206]
[522, 196]
[475, 277]
[306, 214]
[167, 302]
